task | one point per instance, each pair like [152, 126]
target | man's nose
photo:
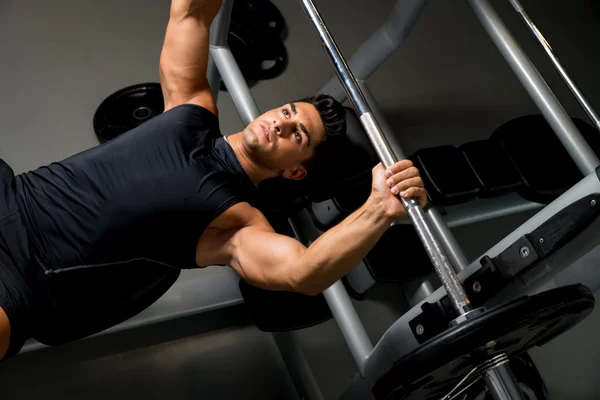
[279, 129]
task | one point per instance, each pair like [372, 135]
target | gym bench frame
[574, 263]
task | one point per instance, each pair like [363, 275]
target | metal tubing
[236, 85]
[537, 88]
[485, 209]
[381, 45]
[219, 31]
[337, 299]
[349, 323]
[455, 254]
[416, 292]
[296, 363]
[248, 110]
[587, 107]
[388, 133]
[480, 210]
[214, 78]
[455, 291]
[502, 384]
[457, 257]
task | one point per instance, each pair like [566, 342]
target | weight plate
[127, 109]
[433, 369]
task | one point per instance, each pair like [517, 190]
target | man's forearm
[341, 248]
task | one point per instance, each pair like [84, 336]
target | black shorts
[17, 273]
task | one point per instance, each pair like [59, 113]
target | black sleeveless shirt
[146, 195]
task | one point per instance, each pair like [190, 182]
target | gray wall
[447, 84]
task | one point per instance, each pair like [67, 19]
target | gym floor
[446, 85]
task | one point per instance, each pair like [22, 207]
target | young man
[175, 192]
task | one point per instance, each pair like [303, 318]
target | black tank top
[148, 194]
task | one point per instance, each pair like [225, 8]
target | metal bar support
[433, 247]
[587, 107]
[532, 81]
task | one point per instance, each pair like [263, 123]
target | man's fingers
[406, 184]
[418, 193]
[398, 167]
[410, 172]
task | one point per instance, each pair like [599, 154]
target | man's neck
[255, 172]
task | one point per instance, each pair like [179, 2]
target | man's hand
[401, 179]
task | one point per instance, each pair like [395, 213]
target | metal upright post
[363, 63]
[219, 31]
[587, 107]
[532, 81]
[502, 384]
[456, 293]
[229, 71]
[438, 225]
[433, 247]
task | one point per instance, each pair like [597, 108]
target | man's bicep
[184, 55]
[265, 258]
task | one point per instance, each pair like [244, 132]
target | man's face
[283, 138]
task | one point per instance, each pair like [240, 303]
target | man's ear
[295, 174]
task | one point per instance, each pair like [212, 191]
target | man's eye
[298, 137]
[286, 113]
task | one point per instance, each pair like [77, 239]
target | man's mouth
[265, 132]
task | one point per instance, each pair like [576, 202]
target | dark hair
[333, 117]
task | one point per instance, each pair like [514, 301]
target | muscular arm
[184, 55]
[276, 262]
[271, 261]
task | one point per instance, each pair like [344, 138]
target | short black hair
[333, 117]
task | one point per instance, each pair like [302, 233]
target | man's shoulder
[191, 112]
[238, 216]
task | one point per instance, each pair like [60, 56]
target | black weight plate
[127, 109]
[273, 54]
[433, 369]
[258, 16]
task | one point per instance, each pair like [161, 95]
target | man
[175, 192]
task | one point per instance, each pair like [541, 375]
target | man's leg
[16, 296]
[4, 333]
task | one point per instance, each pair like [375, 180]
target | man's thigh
[16, 297]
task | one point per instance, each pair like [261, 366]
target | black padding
[347, 167]
[543, 163]
[89, 301]
[387, 264]
[349, 200]
[446, 174]
[492, 167]
[277, 311]
[281, 198]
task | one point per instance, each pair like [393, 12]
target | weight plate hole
[142, 113]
